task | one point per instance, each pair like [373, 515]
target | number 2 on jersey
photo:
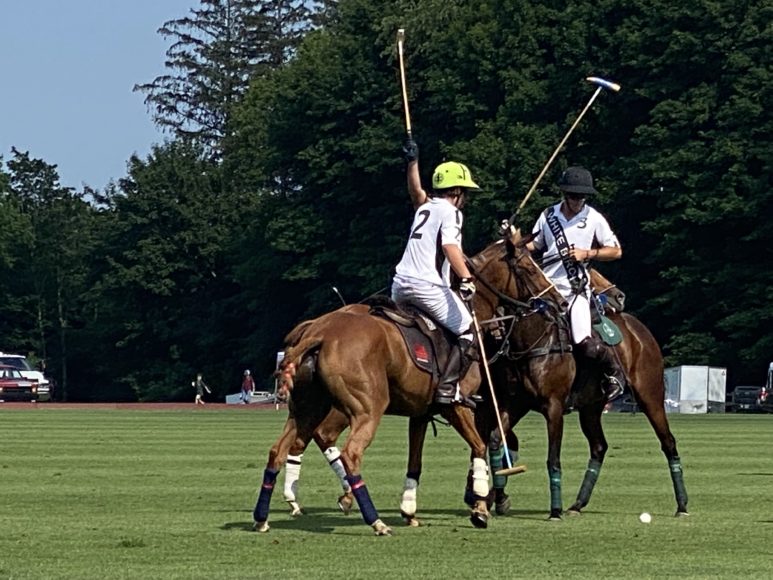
[424, 217]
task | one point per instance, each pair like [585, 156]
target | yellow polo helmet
[452, 174]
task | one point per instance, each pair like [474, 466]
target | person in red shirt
[248, 386]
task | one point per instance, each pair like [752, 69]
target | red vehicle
[14, 387]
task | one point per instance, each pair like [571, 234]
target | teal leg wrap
[677, 477]
[555, 490]
[496, 461]
[588, 482]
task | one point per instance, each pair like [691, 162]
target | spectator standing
[248, 386]
[200, 387]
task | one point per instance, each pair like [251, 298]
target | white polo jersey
[585, 230]
[437, 223]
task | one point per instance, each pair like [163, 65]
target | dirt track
[133, 406]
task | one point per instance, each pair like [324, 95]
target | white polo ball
[645, 518]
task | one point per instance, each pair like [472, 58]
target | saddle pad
[608, 331]
[427, 342]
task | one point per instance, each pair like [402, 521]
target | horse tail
[294, 355]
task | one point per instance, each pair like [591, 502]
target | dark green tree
[216, 51]
[51, 266]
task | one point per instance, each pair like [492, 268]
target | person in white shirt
[569, 234]
[434, 249]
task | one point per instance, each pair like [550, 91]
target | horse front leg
[554, 414]
[590, 422]
[325, 437]
[463, 421]
[417, 431]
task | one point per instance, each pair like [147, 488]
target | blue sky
[68, 68]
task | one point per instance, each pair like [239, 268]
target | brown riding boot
[596, 349]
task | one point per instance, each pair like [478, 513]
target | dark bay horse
[358, 365]
[541, 375]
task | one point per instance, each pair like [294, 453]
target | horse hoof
[295, 509]
[573, 512]
[683, 514]
[381, 529]
[345, 503]
[261, 527]
[410, 519]
[479, 519]
[555, 516]
[503, 507]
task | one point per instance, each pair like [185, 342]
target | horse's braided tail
[286, 372]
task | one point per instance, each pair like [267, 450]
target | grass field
[169, 494]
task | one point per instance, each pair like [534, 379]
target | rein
[551, 312]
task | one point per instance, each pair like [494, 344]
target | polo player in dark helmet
[573, 233]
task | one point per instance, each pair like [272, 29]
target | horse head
[615, 298]
[509, 277]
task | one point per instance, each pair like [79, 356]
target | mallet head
[603, 83]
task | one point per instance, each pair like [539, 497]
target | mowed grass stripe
[169, 494]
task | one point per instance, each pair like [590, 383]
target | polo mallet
[400, 41]
[510, 469]
[600, 84]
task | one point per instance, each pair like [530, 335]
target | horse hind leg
[294, 439]
[363, 429]
[656, 415]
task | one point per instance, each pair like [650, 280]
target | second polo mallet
[600, 85]
[510, 469]
[400, 42]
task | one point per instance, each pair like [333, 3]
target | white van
[19, 362]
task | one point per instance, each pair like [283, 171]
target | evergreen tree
[215, 52]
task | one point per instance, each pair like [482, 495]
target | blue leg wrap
[360, 491]
[260, 514]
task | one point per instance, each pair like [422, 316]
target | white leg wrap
[333, 456]
[479, 477]
[292, 475]
[408, 500]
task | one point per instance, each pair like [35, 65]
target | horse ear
[515, 235]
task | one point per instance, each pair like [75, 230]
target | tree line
[282, 178]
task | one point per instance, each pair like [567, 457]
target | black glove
[466, 289]
[410, 150]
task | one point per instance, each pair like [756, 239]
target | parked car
[20, 363]
[752, 399]
[14, 387]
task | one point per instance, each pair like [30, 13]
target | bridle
[536, 304]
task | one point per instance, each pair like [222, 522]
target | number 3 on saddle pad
[608, 331]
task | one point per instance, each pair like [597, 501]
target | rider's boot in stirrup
[615, 382]
[459, 361]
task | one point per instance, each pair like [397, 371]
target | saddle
[428, 343]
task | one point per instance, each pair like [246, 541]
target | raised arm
[417, 193]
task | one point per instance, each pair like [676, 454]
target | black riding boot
[459, 361]
[596, 349]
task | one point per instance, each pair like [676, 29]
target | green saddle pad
[608, 331]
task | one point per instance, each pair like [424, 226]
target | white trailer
[695, 389]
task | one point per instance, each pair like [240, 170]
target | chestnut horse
[360, 366]
[532, 375]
